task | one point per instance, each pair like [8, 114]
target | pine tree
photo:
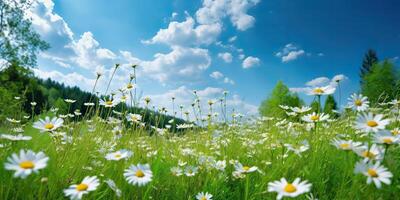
[369, 60]
[330, 105]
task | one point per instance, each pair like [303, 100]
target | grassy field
[278, 148]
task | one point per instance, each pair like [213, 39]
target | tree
[330, 105]
[280, 95]
[380, 84]
[369, 60]
[19, 43]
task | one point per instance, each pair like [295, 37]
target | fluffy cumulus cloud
[226, 57]
[289, 53]
[70, 79]
[184, 96]
[216, 75]
[250, 62]
[186, 33]
[214, 11]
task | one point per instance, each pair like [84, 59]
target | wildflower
[130, 86]
[14, 121]
[70, 100]
[204, 196]
[375, 172]
[134, 117]
[358, 102]
[33, 104]
[191, 170]
[395, 132]
[138, 174]
[88, 104]
[318, 91]
[303, 109]
[385, 137]
[113, 187]
[26, 162]
[285, 189]
[314, 117]
[89, 183]
[375, 152]
[118, 155]
[299, 148]
[176, 171]
[345, 144]
[239, 168]
[371, 123]
[220, 165]
[109, 103]
[18, 137]
[47, 124]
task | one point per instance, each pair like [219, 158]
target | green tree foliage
[280, 95]
[314, 106]
[380, 84]
[330, 105]
[369, 60]
[19, 44]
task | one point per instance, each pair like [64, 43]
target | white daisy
[285, 189]
[48, 124]
[375, 172]
[109, 103]
[358, 102]
[118, 155]
[375, 152]
[176, 171]
[318, 91]
[371, 123]
[220, 165]
[303, 109]
[191, 170]
[89, 183]
[385, 137]
[345, 144]
[204, 196]
[134, 117]
[138, 174]
[244, 169]
[315, 117]
[26, 162]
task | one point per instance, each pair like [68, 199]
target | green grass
[331, 171]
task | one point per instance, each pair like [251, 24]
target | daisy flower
[113, 187]
[138, 174]
[89, 183]
[204, 196]
[109, 103]
[375, 152]
[191, 170]
[358, 102]
[318, 91]
[374, 172]
[220, 165]
[239, 168]
[385, 137]
[130, 86]
[285, 189]
[303, 109]
[48, 124]
[26, 162]
[371, 123]
[395, 132]
[118, 155]
[345, 144]
[315, 117]
[134, 117]
[176, 171]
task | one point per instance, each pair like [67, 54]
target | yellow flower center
[203, 198]
[395, 132]
[139, 173]
[318, 91]
[345, 145]
[314, 117]
[109, 103]
[372, 173]
[372, 123]
[358, 102]
[82, 187]
[27, 164]
[49, 126]
[387, 140]
[246, 168]
[129, 86]
[368, 154]
[118, 155]
[290, 188]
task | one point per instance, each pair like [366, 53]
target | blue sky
[243, 46]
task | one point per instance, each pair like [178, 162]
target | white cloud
[216, 75]
[214, 11]
[105, 54]
[229, 81]
[250, 62]
[290, 52]
[227, 57]
[232, 39]
[320, 81]
[71, 79]
[186, 34]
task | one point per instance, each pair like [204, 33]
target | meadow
[106, 154]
